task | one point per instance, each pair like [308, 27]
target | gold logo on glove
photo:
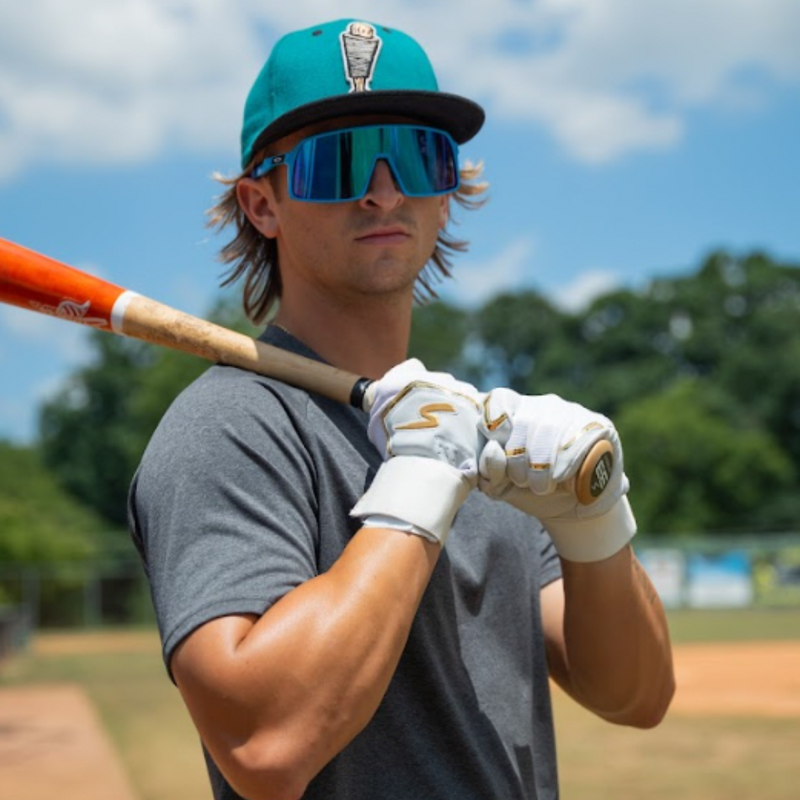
[492, 424]
[428, 418]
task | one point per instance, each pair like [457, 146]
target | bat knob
[595, 473]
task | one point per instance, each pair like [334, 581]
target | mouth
[384, 236]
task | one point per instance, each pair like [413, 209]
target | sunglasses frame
[288, 159]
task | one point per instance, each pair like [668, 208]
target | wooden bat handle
[38, 283]
[154, 322]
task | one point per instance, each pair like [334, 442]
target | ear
[257, 200]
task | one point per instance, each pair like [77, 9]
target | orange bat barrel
[38, 283]
[35, 282]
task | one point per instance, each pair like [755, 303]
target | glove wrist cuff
[594, 538]
[424, 492]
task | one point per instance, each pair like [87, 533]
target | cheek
[432, 215]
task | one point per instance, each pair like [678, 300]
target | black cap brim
[460, 117]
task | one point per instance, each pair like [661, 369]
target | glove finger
[493, 463]
[411, 367]
[520, 468]
[542, 449]
[498, 414]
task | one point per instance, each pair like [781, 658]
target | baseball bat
[36, 282]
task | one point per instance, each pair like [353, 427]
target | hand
[536, 446]
[425, 425]
[428, 414]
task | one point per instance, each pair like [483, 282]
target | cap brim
[460, 117]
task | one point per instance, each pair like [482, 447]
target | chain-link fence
[73, 595]
[761, 571]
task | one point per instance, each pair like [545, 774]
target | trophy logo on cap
[360, 49]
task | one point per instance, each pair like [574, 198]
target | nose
[383, 191]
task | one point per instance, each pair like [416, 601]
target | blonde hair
[253, 258]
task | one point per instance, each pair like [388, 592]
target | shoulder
[231, 402]
[225, 391]
[225, 416]
[233, 413]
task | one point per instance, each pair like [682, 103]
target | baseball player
[361, 605]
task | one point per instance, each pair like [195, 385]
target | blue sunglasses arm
[268, 164]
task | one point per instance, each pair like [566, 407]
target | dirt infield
[50, 736]
[751, 679]
[57, 644]
[52, 744]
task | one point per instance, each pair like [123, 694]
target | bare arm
[275, 698]
[607, 640]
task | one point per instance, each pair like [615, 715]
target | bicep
[203, 668]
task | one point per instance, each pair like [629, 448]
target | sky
[624, 141]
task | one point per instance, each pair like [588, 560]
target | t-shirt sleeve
[550, 562]
[223, 507]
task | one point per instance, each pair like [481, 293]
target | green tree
[698, 464]
[85, 432]
[439, 336]
[94, 431]
[39, 521]
[518, 331]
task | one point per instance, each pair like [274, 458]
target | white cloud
[577, 295]
[110, 81]
[475, 282]
[96, 81]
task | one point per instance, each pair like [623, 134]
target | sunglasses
[337, 166]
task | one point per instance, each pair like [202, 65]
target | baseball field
[93, 715]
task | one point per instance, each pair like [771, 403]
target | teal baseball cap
[349, 67]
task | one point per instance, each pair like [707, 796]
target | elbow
[660, 707]
[651, 711]
[257, 770]
[644, 709]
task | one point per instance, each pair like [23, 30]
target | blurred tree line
[701, 374]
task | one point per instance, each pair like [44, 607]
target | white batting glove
[536, 446]
[425, 425]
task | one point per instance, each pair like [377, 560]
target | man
[326, 641]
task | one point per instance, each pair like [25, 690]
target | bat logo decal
[72, 311]
[601, 474]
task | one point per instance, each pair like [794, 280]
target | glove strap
[421, 491]
[594, 538]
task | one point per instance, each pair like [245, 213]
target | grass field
[691, 757]
[694, 625]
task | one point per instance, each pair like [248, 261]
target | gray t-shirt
[244, 493]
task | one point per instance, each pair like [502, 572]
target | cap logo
[360, 49]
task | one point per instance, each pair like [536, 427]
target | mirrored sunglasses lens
[339, 165]
[425, 160]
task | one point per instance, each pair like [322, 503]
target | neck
[366, 338]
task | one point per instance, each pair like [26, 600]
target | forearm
[617, 653]
[288, 691]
